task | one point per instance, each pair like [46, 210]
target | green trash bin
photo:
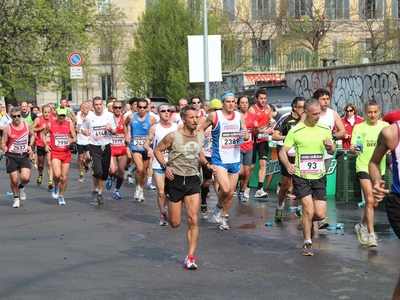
[331, 178]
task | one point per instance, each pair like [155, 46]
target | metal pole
[205, 44]
[76, 93]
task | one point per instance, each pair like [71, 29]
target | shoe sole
[266, 196]
[372, 245]
[323, 226]
[215, 220]
[307, 254]
[358, 232]
[190, 268]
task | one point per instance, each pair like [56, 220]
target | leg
[160, 184]
[308, 214]
[49, 169]
[63, 178]
[192, 205]
[396, 293]
[370, 205]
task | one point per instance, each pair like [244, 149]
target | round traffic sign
[75, 59]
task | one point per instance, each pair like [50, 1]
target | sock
[20, 186]
[260, 184]
[361, 225]
[204, 193]
[120, 180]
[15, 197]
[149, 180]
[219, 206]
[308, 241]
[81, 174]
[96, 190]
[279, 206]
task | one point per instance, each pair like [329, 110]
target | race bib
[99, 132]
[230, 140]
[311, 164]
[61, 141]
[19, 147]
[118, 140]
[138, 141]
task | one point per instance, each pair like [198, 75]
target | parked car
[279, 94]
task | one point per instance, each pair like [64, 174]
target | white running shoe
[54, 194]
[217, 216]
[16, 203]
[141, 196]
[61, 200]
[137, 193]
[224, 224]
[247, 192]
[261, 194]
[22, 194]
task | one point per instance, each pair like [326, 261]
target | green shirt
[369, 135]
[309, 146]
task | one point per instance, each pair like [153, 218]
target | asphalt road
[118, 251]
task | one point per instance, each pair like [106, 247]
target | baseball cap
[215, 104]
[61, 111]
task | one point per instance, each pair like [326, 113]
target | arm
[127, 129]
[31, 140]
[340, 130]
[44, 133]
[73, 133]
[244, 131]
[330, 146]
[208, 122]
[4, 139]
[378, 185]
[35, 124]
[148, 141]
[291, 168]
[165, 144]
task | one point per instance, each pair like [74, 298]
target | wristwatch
[163, 167]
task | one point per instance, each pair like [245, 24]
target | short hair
[273, 108]
[46, 106]
[352, 106]
[97, 98]
[371, 103]
[14, 109]
[296, 100]
[311, 102]
[195, 97]
[142, 100]
[185, 109]
[321, 92]
[260, 92]
[159, 107]
[133, 100]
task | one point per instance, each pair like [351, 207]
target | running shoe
[141, 196]
[100, 199]
[94, 200]
[241, 197]
[323, 224]
[22, 194]
[150, 186]
[61, 200]
[278, 187]
[55, 193]
[362, 234]
[16, 203]
[247, 192]
[372, 240]
[117, 195]
[190, 262]
[299, 214]
[39, 180]
[217, 218]
[290, 196]
[261, 194]
[278, 215]
[137, 193]
[50, 185]
[109, 183]
[203, 212]
[81, 179]
[86, 166]
[163, 213]
[307, 249]
[163, 219]
[224, 224]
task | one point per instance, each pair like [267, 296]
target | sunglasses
[196, 102]
[117, 107]
[165, 110]
[142, 107]
[16, 116]
[350, 110]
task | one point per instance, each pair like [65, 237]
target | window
[261, 52]
[105, 53]
[339, 49]
[371, 9]
[298, 8]
[230, 8]
[106, 89]
[66, 89]
[368, 45]
[263, 10]
[395, 9]
[103, 5]
[338, 9]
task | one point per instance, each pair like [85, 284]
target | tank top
[396, 158]
[225, 139]
[59, 134]
[39, 141]
[159, 134]
[329, 120]
[18, 139]
[27, 118]
[250, 119]
[207, 142]
[118, 139]
[263, 116]
[139, 131]
[184, 153]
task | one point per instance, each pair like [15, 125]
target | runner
[38, 126]
[62, 134]
[310, 139]
[118, 151]
[99, 126]
[228, 127]
[156, 133]
[17, 143]
[137, 128]
[182, 185]
[82, 143]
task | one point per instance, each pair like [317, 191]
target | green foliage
[35, 39]
[158, 65]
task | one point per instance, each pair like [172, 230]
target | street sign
[75, 73]
[75, 59]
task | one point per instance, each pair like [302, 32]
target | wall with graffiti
[358, 84]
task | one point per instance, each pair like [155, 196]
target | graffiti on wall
[383, 88]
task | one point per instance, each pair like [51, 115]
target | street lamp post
[205, 45]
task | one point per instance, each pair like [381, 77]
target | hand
[150, 152]
[212, 168]
[291, 168]
[379, 191]
[169, 173]
[328, 144]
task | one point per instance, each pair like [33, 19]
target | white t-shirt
[81, 138]
[99, 135]
[5, 120]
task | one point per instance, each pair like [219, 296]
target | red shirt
[39, 141]
[18, 139]
[349, 129]
[392, 117]
[263, 117]
[250, 119]
[59, 134]
[118, 139]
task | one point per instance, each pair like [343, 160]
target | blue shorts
[159, 171]
[233, 168]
